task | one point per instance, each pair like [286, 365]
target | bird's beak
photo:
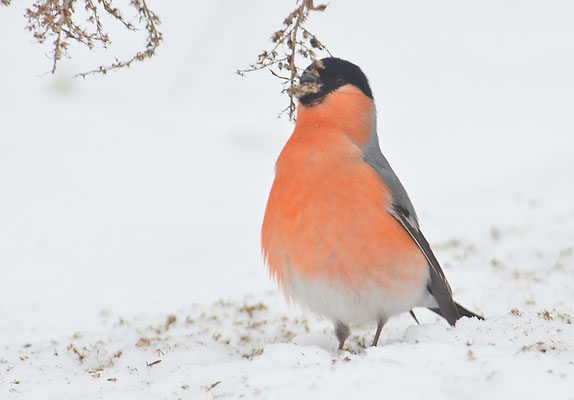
[309, 77]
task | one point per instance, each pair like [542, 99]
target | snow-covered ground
[130, 207]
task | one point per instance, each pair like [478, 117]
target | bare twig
[154, 38]
[65, 13]
[55, 19]
[291, 41]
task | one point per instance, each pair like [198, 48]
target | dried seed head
[277, 36]
[315, 43]
[315, 67]
[302, 90]
[318, 64]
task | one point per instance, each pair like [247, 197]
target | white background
[138, 194]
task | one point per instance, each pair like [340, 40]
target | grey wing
[373, 156]
[403, 210]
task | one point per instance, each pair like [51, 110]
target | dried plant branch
[154, 38]
[56, 19]
[291, 41]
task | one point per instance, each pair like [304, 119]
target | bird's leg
[382, 322]
[342, 331]
[414, 316]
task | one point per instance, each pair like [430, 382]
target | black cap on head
[331, 73]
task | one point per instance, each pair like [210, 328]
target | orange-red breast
[340, 234]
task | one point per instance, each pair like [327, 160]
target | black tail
[462, 312]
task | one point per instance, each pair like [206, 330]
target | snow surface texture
[130, 208]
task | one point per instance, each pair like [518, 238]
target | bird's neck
[346, 111]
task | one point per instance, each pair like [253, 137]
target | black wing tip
[460, 311]
[438, 285]
[463, 312]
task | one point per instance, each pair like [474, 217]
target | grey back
[374, 157]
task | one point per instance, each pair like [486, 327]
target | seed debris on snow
[195, 356]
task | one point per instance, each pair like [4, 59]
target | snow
[131, 204]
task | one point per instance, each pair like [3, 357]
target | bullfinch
[340, 234]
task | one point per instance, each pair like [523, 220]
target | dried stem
[55, 19]
[154, 39]
[65, 14]
[292, 40]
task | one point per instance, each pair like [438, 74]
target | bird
[340, 234]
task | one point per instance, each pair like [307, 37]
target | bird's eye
[340, 81]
